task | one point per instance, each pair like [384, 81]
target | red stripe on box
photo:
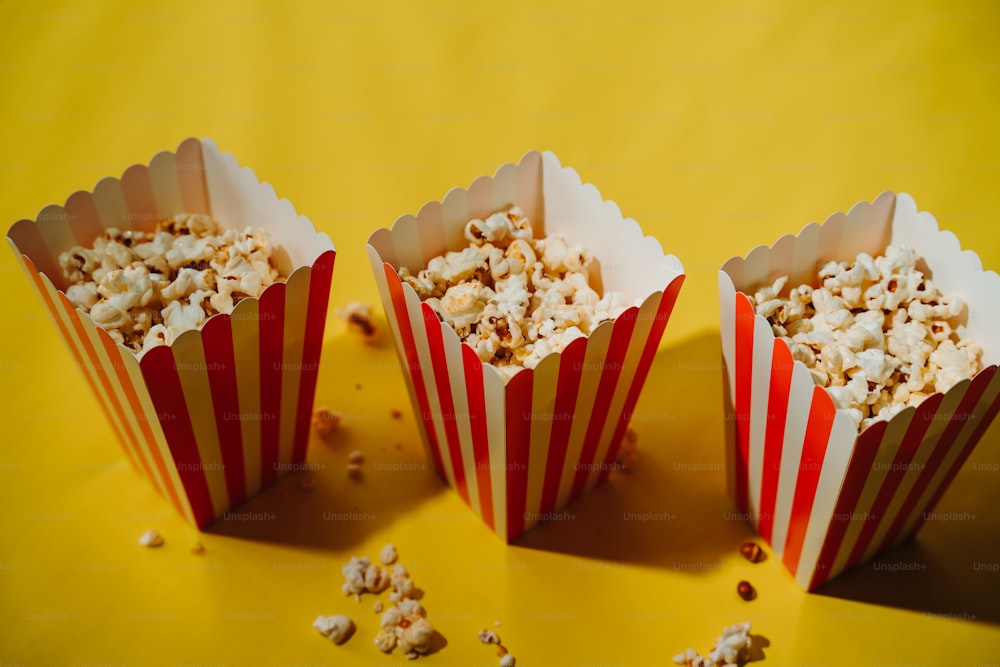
[480, 433]
[741, 406]
[897, 471]
[663, 310]
[974, 393]
[563, 413]
[445, 400]
[412, 362]
[271, 323]
[126, 435]
[135, 407]
[518, 396]
[217, 340]
[167, 394]
[320, 278]
[779, 390]
[76, 352]
[965, 405]
[611, 370]
[817, 436]
[858, 470]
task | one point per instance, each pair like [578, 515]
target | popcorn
[361, 576]
[337, 629]
[325, 421]
[151, 538]
[513, 298]
[146, 288]
[733, 645]
[403, 624]
[388, 555]
[877, 333]
[731, 648]
[488, 636]
[359, 318]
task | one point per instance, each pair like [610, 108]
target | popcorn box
[518, 452]
[219, 414]
[824, 496]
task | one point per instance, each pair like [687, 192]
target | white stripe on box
[545, 380]
[429, 376]
[245, 322]
[763, 349]
[494, 395]
[727, 334]
[460, 404]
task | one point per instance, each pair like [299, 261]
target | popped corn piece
[462, 304]
[110, 316]
[337, 628]
[508, 660]
[414, 637]
[179, 317]
[733, 645]
[402, 584]
[354, 471]
[361, 576]
[388, 555]
[357, 456]
[769, 292]
[325, 421]
[377, 607]
[188, 280]
[151, 538]
[495, 229]
[385, 640]
[82, 295]
[157, 335]
[487, 636]
[953, 363]
[358, 316]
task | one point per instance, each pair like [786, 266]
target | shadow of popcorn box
[518, 452]
[220, 413]
[824, 496]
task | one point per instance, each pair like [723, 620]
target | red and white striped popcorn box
[219, 414]
[825, 497]
[517, 453]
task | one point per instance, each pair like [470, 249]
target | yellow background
[717, 125]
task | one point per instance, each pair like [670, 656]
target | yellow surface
[717, 125]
